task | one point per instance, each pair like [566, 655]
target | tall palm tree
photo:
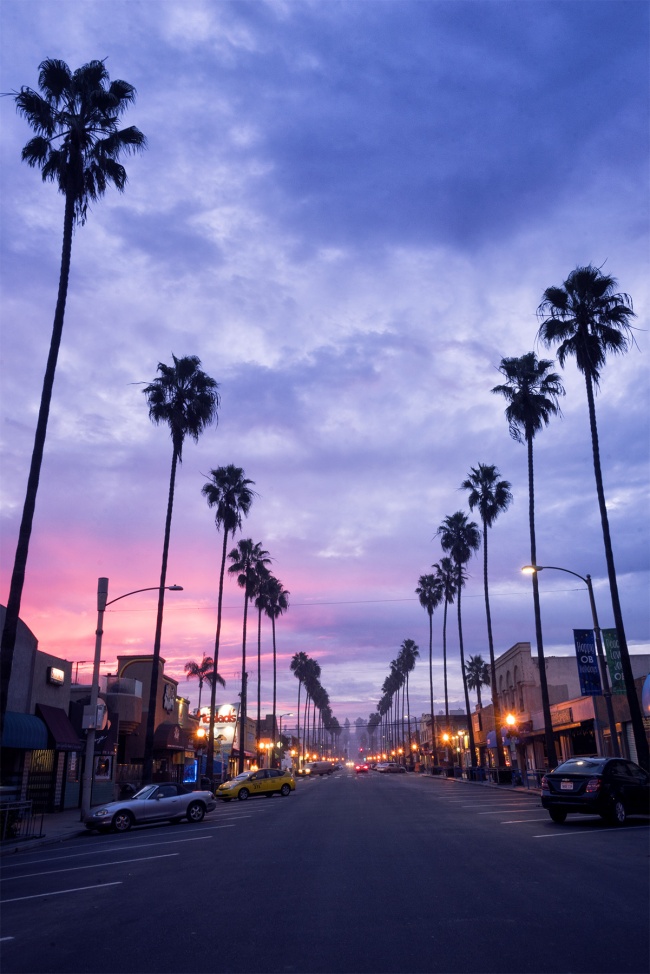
[245, 561]
[491, 496]
[78, 146]
[461, 538]
[277, 602]
[590, 320]
[532, 392]
[430, 593]
[186, 399]
[229, 492]
[298, 666]
[445, 575]
[201, 671]
[478, 675]
[409, 652]
[261, 598]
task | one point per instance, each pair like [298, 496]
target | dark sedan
[610, 787]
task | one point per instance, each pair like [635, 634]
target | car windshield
[146, 791]
[242, 776]
[581, 766]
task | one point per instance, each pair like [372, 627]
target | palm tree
[461, 539]
[430, 594]
[491, 496]
[262, 577]
[185, 398]
[229, 492]
[445, 575]
[298, 666]
[590, 320]
[245, 561]
[532, 392]
[201, 671]
[78, 146]
[277, 602]
[409, 652]
[477, 673]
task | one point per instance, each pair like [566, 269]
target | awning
[26, 732]
[169, 737]
[62, 733]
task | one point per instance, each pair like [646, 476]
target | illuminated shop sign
[55, 676]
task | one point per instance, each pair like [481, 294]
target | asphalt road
[349, 874]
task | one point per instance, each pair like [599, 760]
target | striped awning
[25, 732]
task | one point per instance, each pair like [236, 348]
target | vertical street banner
[613, 657]
[585, 644]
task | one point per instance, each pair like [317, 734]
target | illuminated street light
[534, 570]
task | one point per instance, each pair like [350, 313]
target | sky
[349, 211]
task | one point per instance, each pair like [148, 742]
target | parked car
[380, 766]
[266, 781]
[610, 787]
[153, 803]
[321, 767]
[391, 768]
[361, 768]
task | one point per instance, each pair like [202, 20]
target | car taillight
[593, 785]
[544, 783]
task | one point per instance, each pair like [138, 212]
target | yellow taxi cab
[266, 781]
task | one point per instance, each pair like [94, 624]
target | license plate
[566, 785]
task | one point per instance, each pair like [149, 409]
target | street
[351, 873]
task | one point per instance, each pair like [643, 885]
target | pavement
[55, 827]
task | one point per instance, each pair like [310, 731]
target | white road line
[523, 821]
[58, 892]
[97, 865]
[616, 828]
[2, 939]
[107, 849]
[500, 811]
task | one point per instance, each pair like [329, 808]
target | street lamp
[533, 570]
[102, 594]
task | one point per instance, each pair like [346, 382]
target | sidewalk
[56, 827]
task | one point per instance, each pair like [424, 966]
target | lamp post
[102, 595]
[607, 693]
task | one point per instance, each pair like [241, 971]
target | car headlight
[101, 812]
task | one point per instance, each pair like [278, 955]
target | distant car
[390, 768]
[381, 766]
[153, 803]
[610, 787]
[361, 768]
[266, 781]
[321, 767]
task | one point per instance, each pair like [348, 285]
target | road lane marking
[523, 821]
[58, 892]
[103, 851]
[594, 831]
[96, 865]
[500, 811]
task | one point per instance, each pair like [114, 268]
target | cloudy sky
[349, 211]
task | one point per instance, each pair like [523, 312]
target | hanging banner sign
[590, 685]
[614, 664]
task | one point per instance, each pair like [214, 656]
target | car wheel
[243, 794]
[285, 790]
[195, 812]
[617, 814]
[122, 821]
[557, 816]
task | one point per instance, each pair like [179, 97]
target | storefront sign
[56, 676]
[585, 643]
[614, 664]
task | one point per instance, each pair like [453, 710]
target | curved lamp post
[102, 595]
[607, 693]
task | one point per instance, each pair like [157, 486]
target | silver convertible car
[153, 803]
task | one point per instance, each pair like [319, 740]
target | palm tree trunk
[434, 735]
[217, 638]
[12, 614]
[546, 707]
[242, 723]
[640, 739]
[298, 716]
[493, 670]
[444, 662]
[147, 769]
[274, 676]
[470, 729]
[408, 714]
[259, 675]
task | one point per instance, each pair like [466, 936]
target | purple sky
[349, 211]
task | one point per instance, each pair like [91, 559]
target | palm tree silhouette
[429, 592]
[477, 673]
[408, 654]
[245, 561]
[491, 496]
[532, 392]
[298, 666]
[77, 146]
[277, 602]
[445, 575]
[590, 320]
[229, 492]
[461, 539]
[185, 398]
[204, 673]
[261, 597]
